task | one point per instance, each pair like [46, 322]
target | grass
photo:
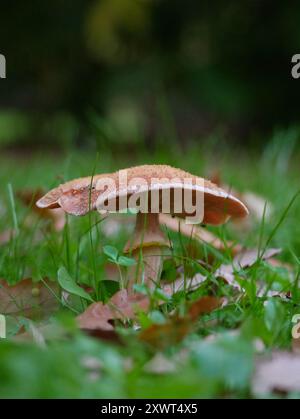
[217, 358]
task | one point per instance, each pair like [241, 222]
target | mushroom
[150, 190]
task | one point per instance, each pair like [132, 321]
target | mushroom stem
[148, 248]
[148, 224]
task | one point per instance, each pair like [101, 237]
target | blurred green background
[104, 84]
[146, 73]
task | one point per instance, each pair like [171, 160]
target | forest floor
[230, 335]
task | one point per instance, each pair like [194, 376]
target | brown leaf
[264, 292]
[40, 331]
[120, 307]
[242, 260]
[164, 335]
[202, 306]
[249, 257]
[279, 374]
[176, 328]
[189, 284]
[107, 335]
[28, 298]
[226, 273]
[96, 316]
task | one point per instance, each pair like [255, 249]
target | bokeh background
[130, 74]
[94, 86]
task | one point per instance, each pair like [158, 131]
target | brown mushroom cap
[81, 189]
[80, 196]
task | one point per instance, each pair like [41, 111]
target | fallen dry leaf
[28, 298]
[279, 374]
[180, 284]
[97, 320]
[120, 307]
[202, 306]
[226, 273]
[106, 335]
[242, 260]
[249, 257]
[164, 335]
[40, 332]
[176, 328]
[264, 292]
[56, 215]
